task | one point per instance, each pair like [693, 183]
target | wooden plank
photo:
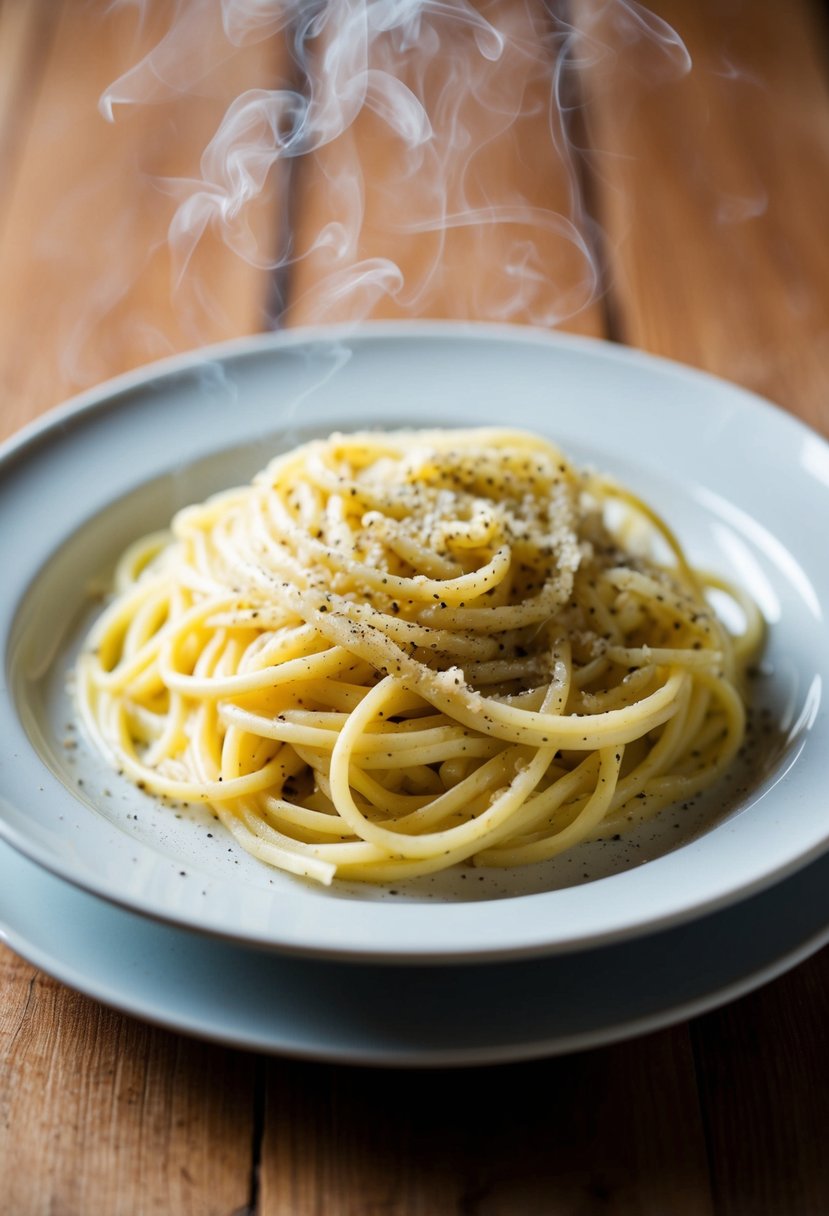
[464, 204]
[762, 1066]
[619, 1129]
[84, 240]
[100, 1113]
[613, 1130]
[714, 186]
[713, 197]
[25, 34]
[623, 1132]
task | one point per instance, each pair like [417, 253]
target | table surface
[689, 160]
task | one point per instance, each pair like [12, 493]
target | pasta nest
[397, 652]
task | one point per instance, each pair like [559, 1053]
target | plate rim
[104, 395]
[670, 1012]
[107, 396]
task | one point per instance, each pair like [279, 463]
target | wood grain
[25, 35]
[99, 1113]
[713, 193]
[762, 1064]
[713, 185]
[614, 1130]
[83, 232]
[102, 1114]
[484, 220]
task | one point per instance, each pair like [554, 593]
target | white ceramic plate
[737, 477]
[415, 1016]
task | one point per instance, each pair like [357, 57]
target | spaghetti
[395, 652]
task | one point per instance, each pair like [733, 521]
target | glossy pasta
[397, 652]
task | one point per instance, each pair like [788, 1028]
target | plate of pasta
[419, 642]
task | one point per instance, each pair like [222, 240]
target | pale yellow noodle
[397, 652]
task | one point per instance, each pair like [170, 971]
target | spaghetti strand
[397, 652]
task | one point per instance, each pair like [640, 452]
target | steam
[608, 29]
[445, 90]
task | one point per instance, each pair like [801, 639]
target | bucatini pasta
[396, 652]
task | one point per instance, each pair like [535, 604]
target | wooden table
[700, 190]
